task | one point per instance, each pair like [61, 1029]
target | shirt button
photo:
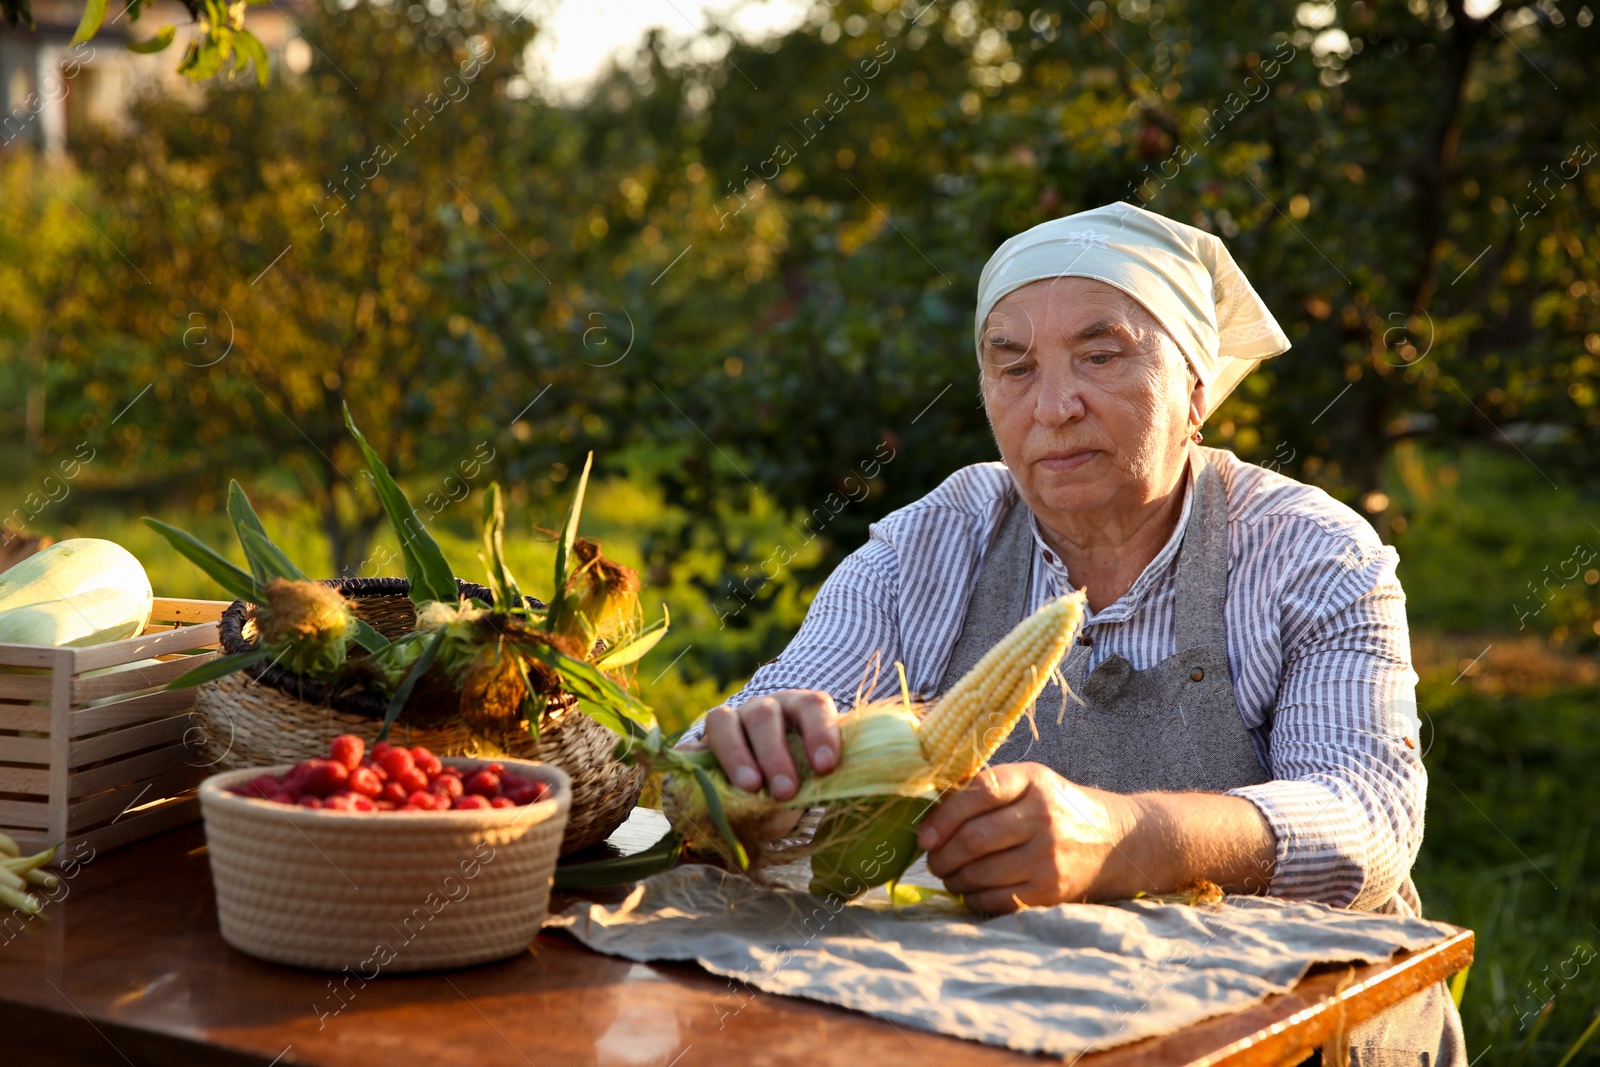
[1197, 675]
[1085, 640]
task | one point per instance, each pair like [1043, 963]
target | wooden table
[131, 969]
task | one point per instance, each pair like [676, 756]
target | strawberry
[501, 802]
[325, 777]
[365, 782]
[309, 801]
[424, 801]
[285, 798]
[347, 749]
[484, 783]
[412, 778]
[396, 761]
[361, 803]
[395, 793]
[446, 785]
[469, 803]
[379, 749]
[263, 786]
[338, 802]
[430, 764]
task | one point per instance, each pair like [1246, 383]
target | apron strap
[1202, 587]
[1000, 594]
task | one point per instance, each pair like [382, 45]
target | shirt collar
[1129, 602]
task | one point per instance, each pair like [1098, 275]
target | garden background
[745, 282]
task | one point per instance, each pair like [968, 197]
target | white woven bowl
[382, 891]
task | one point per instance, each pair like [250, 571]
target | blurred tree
[219, 41]
[290, 248]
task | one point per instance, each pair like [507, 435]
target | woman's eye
[1099, 359]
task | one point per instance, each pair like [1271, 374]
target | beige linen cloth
[1062, 980]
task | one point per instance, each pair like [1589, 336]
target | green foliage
[219, 41]
[1509, 853]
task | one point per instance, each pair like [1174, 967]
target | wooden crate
[102, 760]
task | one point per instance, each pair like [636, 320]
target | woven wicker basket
[381, 892]
[265, 715]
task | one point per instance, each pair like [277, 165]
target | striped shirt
[1317, 645]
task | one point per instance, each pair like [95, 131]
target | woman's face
[1089, 398]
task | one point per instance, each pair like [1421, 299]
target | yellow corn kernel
[976, 715]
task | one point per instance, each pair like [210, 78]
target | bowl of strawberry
[384, 860]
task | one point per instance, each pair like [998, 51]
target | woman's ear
[1197, 402]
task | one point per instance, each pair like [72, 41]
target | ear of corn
[892, 768]
[979, 712]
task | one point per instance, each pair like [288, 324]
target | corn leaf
[235, 581]
[600, 698]
[634, 650]
[720, 818]
[407, 684]
[367, 637]
[506, 594]
[559, 603]
[622, 870]
[430, 576]
[220, 667]
[267, 560]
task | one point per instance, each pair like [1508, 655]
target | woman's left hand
[1020, 834]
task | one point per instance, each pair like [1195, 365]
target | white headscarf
[1182, 275]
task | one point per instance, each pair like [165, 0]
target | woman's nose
[1059, 400]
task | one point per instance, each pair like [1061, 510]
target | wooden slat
[106, 746]
[132, 680]
[35, 780]
[135, 768]
[136, 827]
[110, 805]
[26, 655]
[177, 609]
[24, 813]
[25, 749]
[24, 717]
[26, 686]
[159, 704]
[147, 646]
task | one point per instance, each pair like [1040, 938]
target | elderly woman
[1248, 708]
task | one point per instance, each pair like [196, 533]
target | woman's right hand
[751, 741]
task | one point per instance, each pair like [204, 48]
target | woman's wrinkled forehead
[1069, 310]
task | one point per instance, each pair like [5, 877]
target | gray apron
[1174, 726]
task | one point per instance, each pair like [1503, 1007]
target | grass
[1511, 737]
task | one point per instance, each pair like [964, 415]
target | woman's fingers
[991, 789]
[767, 729]
[818, 718]
[726, 734]
[981, 836]
[751, 742]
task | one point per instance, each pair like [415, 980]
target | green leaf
[161, 39]
[251, 46]
[430, 576]
[558, 601]
[720, 818]
[622, 870]
[506, 594]
[235, 581]
[633, 651]
[267, 560]
[220, 667]
[407, 684]
[600, 698]
[93, 15]
[368, 638]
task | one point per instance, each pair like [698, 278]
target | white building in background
[52, 91]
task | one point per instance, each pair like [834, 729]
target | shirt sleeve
[852, 617]
[1348, 790]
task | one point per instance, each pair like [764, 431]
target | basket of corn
[430, 660]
